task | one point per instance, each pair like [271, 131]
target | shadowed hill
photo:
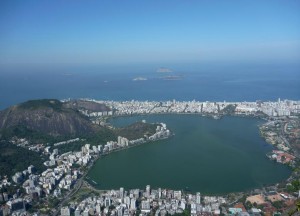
[47, 116]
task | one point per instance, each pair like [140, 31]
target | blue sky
[156, 31]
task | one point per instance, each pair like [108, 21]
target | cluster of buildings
[282, 157]
[66, 142]
[161, 133]
[275, 108]
[170, 202]
[63, 169]
[96, 114]
[62, 175]
[149, 201]
[14, 207]
[18, 177]
[14, 204]
[3, 197]
[275, 132]
[280, 108]
[24, 143]
[81, 158]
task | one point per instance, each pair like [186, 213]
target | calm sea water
[239, 83]
[206, 155]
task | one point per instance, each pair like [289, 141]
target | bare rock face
[48, 116]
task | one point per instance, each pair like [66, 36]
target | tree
[296, 185]
[278, 204]
[296, 209]
[248, 205]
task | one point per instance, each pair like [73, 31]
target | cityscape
[150, 108]
[65, 174]
[270, 108]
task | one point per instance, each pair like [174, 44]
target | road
[67, 197]
[282, 135]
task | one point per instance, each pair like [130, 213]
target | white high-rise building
[65, 211]
[121, 192]
[127, 201]
[182, 204]
[133, 204]
[177, 195]
[98, 208]
[159, 193]
[145, 206]
[148, 191]
[77, 212]
[198, 198]
[87, 146]
[120, 211]
[122, 141]
[107, 202]
[83, 150]
[95, 149]
[119, 140]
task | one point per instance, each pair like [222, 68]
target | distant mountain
[48, 116]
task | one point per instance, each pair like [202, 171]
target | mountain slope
[47, 116]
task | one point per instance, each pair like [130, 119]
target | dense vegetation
[102, 136]
[36, 104]
[294, 186]
[76, 146]
[229, 109]
[14, 158]
[21, 131]
[136, 130]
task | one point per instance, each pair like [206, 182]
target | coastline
[103, 119]
[242, 112]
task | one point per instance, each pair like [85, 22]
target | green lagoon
[206, 155]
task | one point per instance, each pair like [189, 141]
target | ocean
[215, 83]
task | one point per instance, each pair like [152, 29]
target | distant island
[139, 79]
[164, 70]
[174, 77]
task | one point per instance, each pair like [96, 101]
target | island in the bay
[139, 79]
[48, 146]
